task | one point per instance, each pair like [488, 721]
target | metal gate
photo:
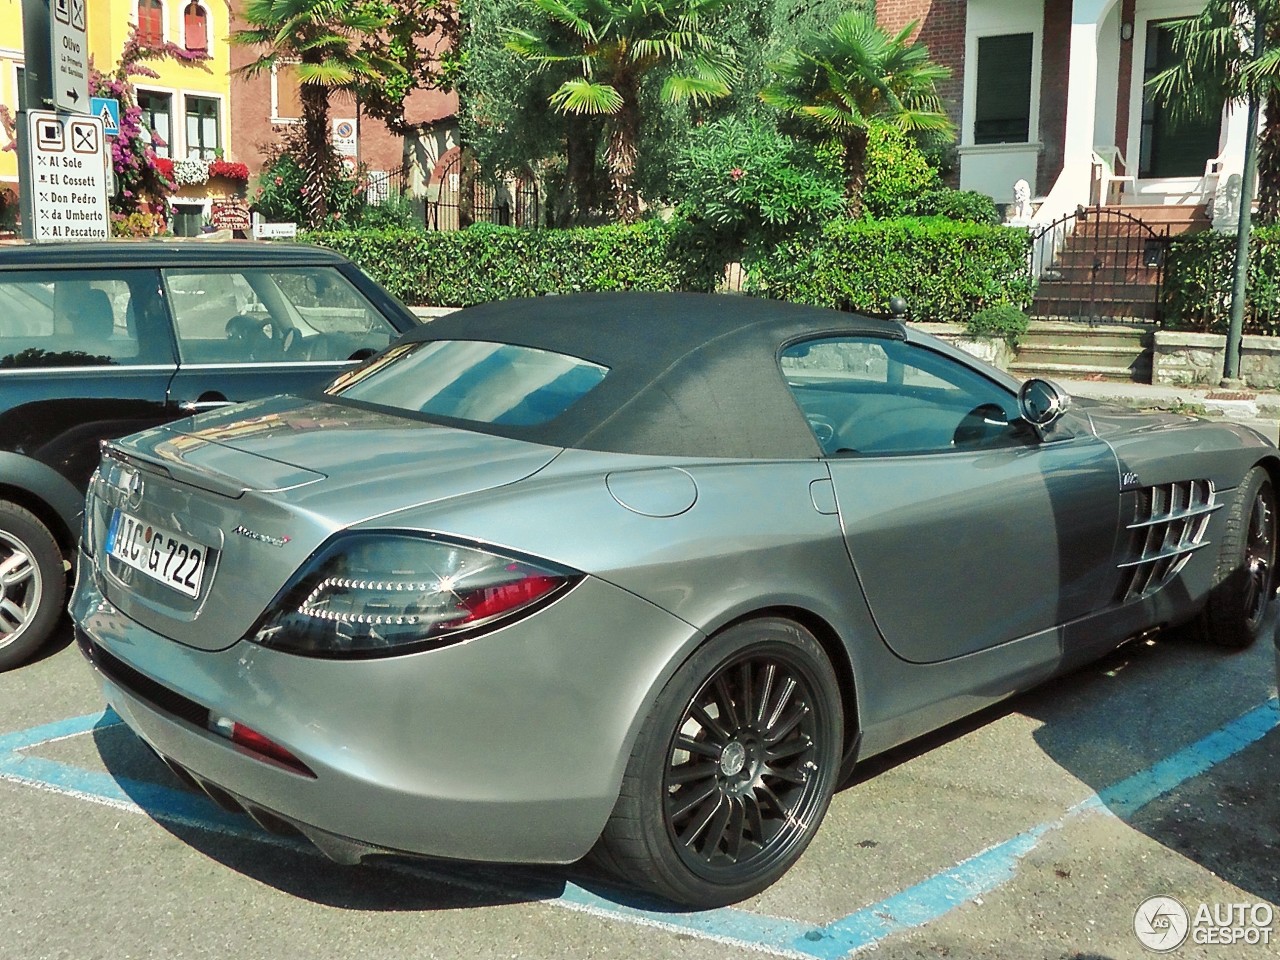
[1098, 264]
[513, 203]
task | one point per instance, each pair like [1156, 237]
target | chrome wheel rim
[743, 784]
[1259, 557]
[20, 588]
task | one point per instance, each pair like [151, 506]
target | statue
[1020, 213]
[1226, 204]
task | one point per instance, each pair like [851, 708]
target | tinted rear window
[495, 383]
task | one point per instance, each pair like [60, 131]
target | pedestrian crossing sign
[108, 108]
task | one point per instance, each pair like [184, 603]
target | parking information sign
[69, 199]
[69, 41]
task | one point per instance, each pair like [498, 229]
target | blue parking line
[992, 868]
[913, 907]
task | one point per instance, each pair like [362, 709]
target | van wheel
[33, 585]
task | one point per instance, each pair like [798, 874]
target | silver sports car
[644, 575]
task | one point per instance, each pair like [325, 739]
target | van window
[73, 318]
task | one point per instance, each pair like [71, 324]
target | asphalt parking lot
[1034, 830]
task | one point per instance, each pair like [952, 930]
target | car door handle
[196, 406]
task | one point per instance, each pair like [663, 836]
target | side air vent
[1170, 521]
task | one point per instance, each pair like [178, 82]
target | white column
[1073, 184]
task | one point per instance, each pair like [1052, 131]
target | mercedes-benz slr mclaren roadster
[644, 575]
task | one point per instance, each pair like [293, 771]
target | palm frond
[582, 96]
[694, 88]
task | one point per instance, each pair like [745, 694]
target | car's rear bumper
[509, 747]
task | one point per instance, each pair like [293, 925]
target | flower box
[230, 170]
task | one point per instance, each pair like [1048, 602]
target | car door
[85, 355]
[254, 331]
[965, 528]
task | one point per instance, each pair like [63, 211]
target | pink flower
[303, 191]
[736, 174]
[279, 181]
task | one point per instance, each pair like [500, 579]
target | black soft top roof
[690, 374]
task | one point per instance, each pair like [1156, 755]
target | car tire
[33, 584]
[733, 769]
[1241, 605]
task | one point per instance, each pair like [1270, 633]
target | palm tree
[1231, 53]
[853, 74]
[1215, 64]
[610, 47]
[324, 39]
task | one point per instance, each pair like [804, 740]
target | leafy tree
[843, 79]
[425, 39]
[609, 49]
[327, 41]
[1215, 63]
[751, 183]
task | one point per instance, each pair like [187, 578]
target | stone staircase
[1070, 350]
[1109, 266]
[1097, 304]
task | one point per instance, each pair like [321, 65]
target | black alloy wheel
[740, 784]
[733, 770]
[1259, 558]
[1241, 605]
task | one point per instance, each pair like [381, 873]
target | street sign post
[68, 177]
[68, 37]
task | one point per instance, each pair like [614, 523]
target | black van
[98, 340]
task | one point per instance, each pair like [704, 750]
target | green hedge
[485, 262]
[1198, 276]
[946, 270]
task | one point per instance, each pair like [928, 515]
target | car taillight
[369, 595]
[258, 744]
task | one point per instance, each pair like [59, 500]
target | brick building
[1052, 91]
[265, 105]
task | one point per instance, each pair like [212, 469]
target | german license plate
[161, 554]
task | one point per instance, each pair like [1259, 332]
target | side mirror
[1041, 402]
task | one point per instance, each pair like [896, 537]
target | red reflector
[490, 601]
[252, 740]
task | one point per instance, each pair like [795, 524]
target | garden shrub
[968, 205]
[1198, 278]
[749, 181]
[281, 193]
[137, 224]
[486, 262]
[1001, 322]
[396, 212]
[946, 270]
[898, 173]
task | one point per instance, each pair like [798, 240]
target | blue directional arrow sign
[108, 108]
